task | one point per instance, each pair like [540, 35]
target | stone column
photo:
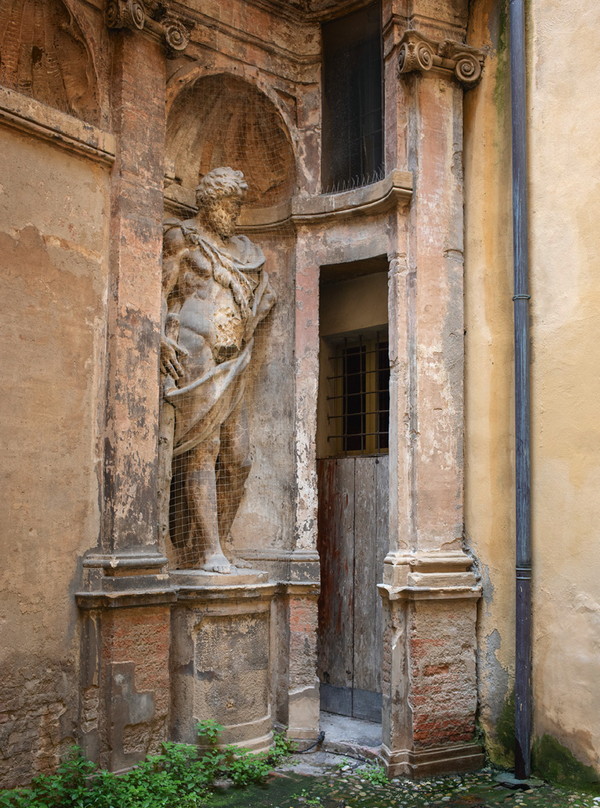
[126, 596]
[301, 603]
[130, 516]
[429, 591]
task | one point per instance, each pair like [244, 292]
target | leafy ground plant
[374, 774]
[182, 775]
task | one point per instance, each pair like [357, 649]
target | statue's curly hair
[218, 184]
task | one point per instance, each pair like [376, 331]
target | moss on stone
[501, 88]
[554, 762]
[501, 747]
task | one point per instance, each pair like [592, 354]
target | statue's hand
[170, 351]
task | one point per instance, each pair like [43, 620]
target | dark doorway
[353, 485]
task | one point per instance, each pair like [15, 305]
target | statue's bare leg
[180, 531]
[201, 489]
[234, 467]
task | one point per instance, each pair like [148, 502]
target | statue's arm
[174, 252]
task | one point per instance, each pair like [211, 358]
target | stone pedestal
[429, 665]
[124, 703]
[221, 660]
[301, 608]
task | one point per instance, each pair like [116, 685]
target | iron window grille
[359, 400]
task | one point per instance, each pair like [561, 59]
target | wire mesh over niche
[226, 305]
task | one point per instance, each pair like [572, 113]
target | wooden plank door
[353, 541]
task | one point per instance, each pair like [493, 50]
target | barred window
[358, 395]
[352, 153]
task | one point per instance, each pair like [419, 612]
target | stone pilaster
[301, 602]
[130, 525]
[125, 600]
[430, 591]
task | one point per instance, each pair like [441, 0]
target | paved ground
[350, 736]
[324, 780]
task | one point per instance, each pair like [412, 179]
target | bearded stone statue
[215, 295]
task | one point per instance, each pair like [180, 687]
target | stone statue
[215, 295]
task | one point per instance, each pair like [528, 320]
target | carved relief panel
[44, 54]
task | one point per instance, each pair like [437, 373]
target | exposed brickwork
[442, 672]
[36, 719]
[135, 668]
[303, 618]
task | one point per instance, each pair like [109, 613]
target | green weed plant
[182, 775]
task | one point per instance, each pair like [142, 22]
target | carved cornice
[421, 54]
[154, 17]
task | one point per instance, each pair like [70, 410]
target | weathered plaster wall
[53, 242]
[564, 129]
[264, 522]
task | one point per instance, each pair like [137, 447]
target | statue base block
[202, 578]
[221, 656]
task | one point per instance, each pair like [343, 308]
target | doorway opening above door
[353, 481]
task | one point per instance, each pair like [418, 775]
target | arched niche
[223, 120]
[44, 54]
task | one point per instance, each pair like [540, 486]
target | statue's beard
[221, 222]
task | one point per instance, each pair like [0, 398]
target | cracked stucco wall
[564, 129]
[53, 242]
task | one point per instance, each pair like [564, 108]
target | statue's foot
[242, 564]
[217, 563]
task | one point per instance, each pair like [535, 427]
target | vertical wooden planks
[366, 653]
[353, 542]
[382, 517]
[336, 548]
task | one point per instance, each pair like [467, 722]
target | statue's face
[223, 215]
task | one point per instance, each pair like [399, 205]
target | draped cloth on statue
[203, 403]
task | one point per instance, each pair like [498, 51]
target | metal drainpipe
[523, 711]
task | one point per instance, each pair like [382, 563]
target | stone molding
[102, 601]
[26, 114]
[420, 54]
[379, 197]
[155, 18]
[441, 760]
[429, 575]
[174, 592]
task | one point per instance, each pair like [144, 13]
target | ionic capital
[155, 18]
[424, 55]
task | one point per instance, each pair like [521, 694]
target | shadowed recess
[221, 120]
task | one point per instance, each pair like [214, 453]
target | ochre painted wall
[53, 241]
[564, 130]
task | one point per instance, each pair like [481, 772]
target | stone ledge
[126, 599]
[31, 117]
[199, 578]
[429, 571]
[275, 554]
[441, 760]
[378, 197]
[125, 561]
[149, 592]
[392, 593]
[224, 593]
